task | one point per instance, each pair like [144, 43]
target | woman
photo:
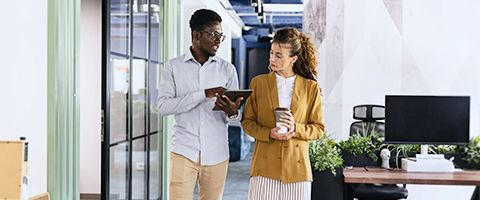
[280, 165]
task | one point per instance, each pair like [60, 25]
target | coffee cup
[279, 112]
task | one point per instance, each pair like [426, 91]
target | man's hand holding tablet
[231, 100]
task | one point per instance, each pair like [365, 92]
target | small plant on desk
[473, 152]
[358, 144]
[446, 149]
[466, 156]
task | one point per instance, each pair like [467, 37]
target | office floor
[236, 186]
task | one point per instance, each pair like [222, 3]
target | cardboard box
[12, 169]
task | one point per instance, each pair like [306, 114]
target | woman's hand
[275, 135]
[288, 121]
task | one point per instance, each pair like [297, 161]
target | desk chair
[476, 194]
[368, 116]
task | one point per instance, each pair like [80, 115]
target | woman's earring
[269, 68]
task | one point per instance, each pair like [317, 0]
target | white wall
[376, 47]
[90, 95]
[23, 82]
[372, 48]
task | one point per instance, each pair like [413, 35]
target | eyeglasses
[215, 35]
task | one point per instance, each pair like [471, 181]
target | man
[191, 85]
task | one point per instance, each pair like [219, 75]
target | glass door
[131, 157]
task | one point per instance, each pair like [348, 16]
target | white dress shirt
[198, 130]
[285, 90]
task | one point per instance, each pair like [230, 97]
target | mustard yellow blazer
[286, 161]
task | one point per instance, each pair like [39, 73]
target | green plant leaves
[358, 144]
[473, 151]
[324, 154]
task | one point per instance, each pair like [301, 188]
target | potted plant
[400, 151]
[361, 150]
[473, 151]
[465, 156]
[449, 151]
[469, 156]
[327, 169]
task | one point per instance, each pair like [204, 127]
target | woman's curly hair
[302, 46]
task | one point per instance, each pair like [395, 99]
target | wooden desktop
[376, 175]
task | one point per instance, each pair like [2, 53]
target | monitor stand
[425, 162]
[424, 149]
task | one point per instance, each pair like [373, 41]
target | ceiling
[276, 14]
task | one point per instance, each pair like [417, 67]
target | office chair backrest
[368, 116]
[368, 124]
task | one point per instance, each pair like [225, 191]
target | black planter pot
[326, 186]
[393, 161]
[460, 162]
[361, 160]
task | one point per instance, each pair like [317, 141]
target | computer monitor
[427, 119]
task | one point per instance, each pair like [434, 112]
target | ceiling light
[270, 7]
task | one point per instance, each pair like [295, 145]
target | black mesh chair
[368, 124]
[476, 194]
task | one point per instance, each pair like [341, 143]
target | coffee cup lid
[281, 109]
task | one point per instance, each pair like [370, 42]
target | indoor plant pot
[361, 150]
[461, 162]
[327, 169]
[327, 186]
[361, 160]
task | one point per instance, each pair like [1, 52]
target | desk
[383, 176]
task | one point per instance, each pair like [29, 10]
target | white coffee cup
[279, 112]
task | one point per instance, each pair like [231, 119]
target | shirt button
[296, 145]
[299, 161]
[279, 157]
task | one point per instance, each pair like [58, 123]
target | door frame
[105, 138]
[105, 105]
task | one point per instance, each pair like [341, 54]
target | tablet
[234, 94]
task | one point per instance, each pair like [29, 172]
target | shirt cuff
[236, 118]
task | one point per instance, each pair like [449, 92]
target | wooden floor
[89, 196]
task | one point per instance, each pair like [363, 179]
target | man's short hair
[202, 18]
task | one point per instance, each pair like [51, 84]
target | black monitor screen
[427, 119]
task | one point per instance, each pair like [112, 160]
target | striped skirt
[261, 188]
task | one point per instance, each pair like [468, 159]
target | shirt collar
[189, 56]
[289, 79]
